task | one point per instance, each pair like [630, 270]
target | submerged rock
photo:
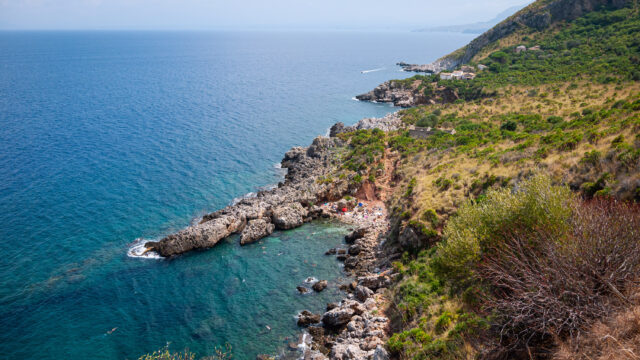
[320, 285]
[331, 251]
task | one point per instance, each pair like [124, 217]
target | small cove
[113, 136]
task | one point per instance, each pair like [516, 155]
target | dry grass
[618, 337]
[564, 166]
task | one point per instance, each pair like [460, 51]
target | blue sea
[109, 137]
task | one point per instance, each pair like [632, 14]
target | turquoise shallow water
[111, 136]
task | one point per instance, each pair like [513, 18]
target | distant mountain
[478, 27]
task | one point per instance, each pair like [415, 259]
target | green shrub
[410, 187]
[479, 226]
[443, 183]
[430, 216]
[509, 125]
[591, 188]
[443, 322]
[591, 157]
[554, 119]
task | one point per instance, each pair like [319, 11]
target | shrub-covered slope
[518, 233]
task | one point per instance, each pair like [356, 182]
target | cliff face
[537, 16]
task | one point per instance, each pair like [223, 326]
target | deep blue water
[106, 137]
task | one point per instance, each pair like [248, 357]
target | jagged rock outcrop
[404, 94]
[374, 282]
[400, 93]
[200, 236]
[255, 230]
[306, 318]
[389, 122]
[289, 216]
[362, 293]
[342, 314]
[285, 207]
[355, 235]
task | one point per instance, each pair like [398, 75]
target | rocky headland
[409, 92]
[291, 204]
[356, 327]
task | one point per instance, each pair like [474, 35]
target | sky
[239, 14]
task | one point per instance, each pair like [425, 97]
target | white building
[457, 75]
[446, 76]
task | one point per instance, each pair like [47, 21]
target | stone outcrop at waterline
[286, 207]
[406, 94]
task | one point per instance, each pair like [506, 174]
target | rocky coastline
[406, 94]
[289, 205]
[356, 327]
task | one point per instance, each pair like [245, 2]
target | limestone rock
[201, 236]
[380, 353]
[362, 293]
[256, 230]
[319, 146]
[337, 128]
[374, 282]
[337, 317]
[348, 352]
[355, 249]
[289, 216]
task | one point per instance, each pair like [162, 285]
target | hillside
[537, 17]
[515, 229]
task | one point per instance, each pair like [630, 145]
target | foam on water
[370, 71]
[138, 250]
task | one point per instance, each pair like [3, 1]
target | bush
[509, 125]
[431, 217]
[591, 157]
[481, 226]
[547, 285]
